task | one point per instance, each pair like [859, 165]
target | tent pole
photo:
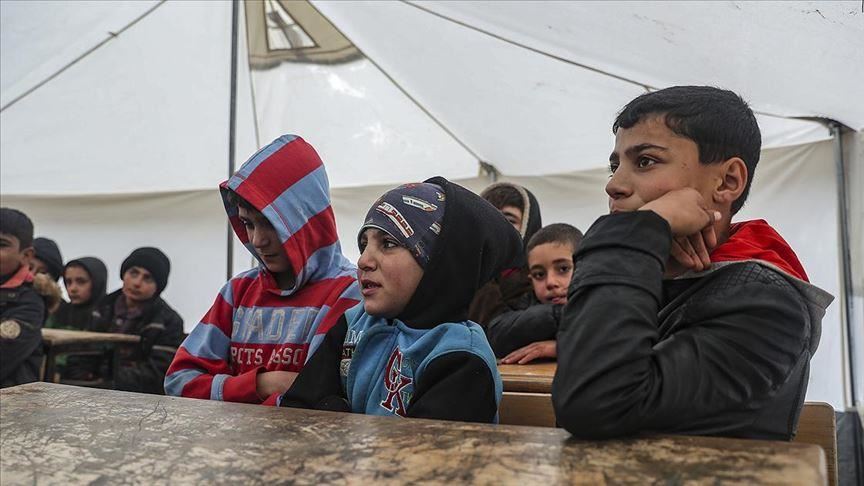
[232, 125]
[845, 256]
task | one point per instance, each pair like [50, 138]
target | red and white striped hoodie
[254, 326]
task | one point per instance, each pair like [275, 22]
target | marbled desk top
[532, 377]
[52, 433]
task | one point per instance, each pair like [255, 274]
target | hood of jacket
[286, 182]
[756, 241]
[476, 244]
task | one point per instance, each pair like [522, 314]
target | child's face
[138, 284]
[265, 239]
[550, 266]
[387, 272]
[78, 284]
[37, 266]
[650, 160]
[12, 256]
[513, 215]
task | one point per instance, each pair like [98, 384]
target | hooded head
[286, 182]
[462, 249]
[505, 194]
[152, 260]
[48, 254]
[98, 274]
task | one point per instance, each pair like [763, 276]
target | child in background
[409, 349]
[268, 321]
[85, 280]
[521, 336]
[512, 289]
[47, 258]
[22, 310]
[137, 308]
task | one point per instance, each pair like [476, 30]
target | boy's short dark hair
[15, 223]
[561, 233]
[237, 200]
[718, 120]
[501, 196]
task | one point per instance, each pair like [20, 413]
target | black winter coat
[143, 370]
[726, 353]
[22, 313]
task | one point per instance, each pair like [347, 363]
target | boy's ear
[731, 182]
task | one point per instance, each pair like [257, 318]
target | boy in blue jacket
[408, 348]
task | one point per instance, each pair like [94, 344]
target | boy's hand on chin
[526, 354]
[692, 225]
[270, 382]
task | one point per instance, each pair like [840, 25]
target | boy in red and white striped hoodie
[268, 321]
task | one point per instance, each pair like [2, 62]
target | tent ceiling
[787, 58]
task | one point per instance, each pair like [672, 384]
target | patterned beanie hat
[411, 214]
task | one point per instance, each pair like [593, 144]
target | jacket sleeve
[455, 386]
[319, 384]
[23, 336]
[202, 365]
[516, 328]
[617, 377]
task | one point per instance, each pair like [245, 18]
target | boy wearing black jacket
[679, 321]
[22, 310]
[520, 336]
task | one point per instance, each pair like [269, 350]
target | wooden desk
[65, 341]
[529, 378]
[53, 433]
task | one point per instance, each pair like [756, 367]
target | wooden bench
[818, 425]
[65, 341]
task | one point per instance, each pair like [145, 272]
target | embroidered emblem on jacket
[395, 382]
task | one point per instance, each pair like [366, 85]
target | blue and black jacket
[430, 361]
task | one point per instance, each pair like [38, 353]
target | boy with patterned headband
[409, 349]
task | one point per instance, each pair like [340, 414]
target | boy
[137, 308]
[47, 267]
[46, 258]
[22, 310]
[678, 321]
[521, 336]
[512, 289]
[85, 280]
[268, 321]
[408, 350]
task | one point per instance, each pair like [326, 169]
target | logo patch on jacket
[395, 383]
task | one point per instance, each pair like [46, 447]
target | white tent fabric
[114, 116]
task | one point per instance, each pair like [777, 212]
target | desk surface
[58, 433]
[56, 337]
[531, 378]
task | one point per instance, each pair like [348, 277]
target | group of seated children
[30, 299]
[664, 317]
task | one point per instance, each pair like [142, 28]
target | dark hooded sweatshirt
[22, 312]
[724, 352]
[142, 368]
[80, 316]
[429, 361]
[512, 289]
